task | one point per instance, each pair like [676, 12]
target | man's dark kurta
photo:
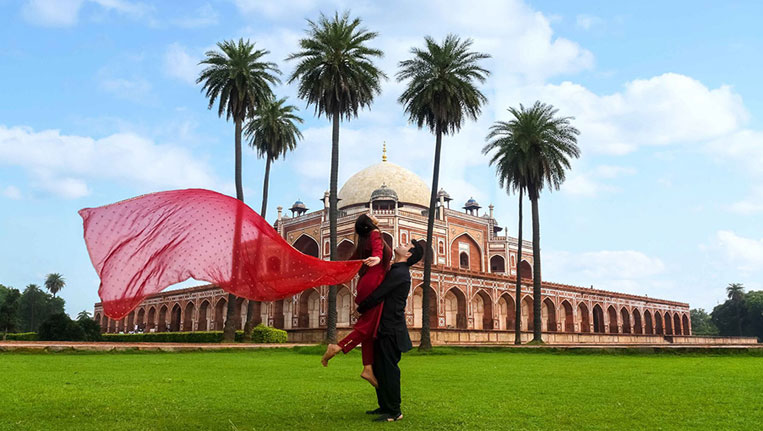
[392, 337]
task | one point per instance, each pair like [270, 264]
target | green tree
[91, 330]
[735, 294]
[548, 142]
[510, 159]
[84, 314]
[35, 305]
[59, 327]
[273, 133]
[336, 74]
[754, 313]
[236, 76]
[9, 309]
[702, 323]
[54, 283]
[441, 94]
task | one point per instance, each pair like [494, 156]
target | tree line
[741, 314]
[25, 311]
[336, 75]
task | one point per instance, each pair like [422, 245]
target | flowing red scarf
[141, 246]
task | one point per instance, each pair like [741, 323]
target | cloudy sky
[98, 104]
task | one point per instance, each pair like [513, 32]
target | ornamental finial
[384, 152]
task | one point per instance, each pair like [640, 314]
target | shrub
[22, 336]
[260, 334]
[59, 327]
[90, 328]
[266, 334]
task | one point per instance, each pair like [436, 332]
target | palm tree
[441, 94]
[273, 133]
[735, 293]
[510, 159]
[547, 142]
[54, 283]
[337, 76]
[84, 315]
[237, 76]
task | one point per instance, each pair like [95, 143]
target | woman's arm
[377, 249]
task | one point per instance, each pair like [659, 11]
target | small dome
[383, 192]
[299, 204]
[471, 203]
[443, 194]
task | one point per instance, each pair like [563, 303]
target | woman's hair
[364, 225]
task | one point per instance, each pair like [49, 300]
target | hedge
[260, 334]
[21, 336]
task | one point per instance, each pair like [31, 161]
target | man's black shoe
[389, 418]
[377, 411]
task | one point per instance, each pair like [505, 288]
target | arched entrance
[203, 316]
[344, 307]
[648, 324]
[612, 314]
[668, 322]
[388, 239]
[141, 320]
[525, 270]
[528, 314]
[307, 245]
[638, 328]
[598, 319]
[677, 325]
[626, 318]
[188, 317]
[418, 301]
[309, 309]
[658, 324]
[151, 322]
[220, 314]
[548, 316]
[455, 309]
[498, 264]
[175, 318]
[482, 310]
[345, 249]
[163, 326]
[506, 312]
[686, 330]
[130, 322]
[567, 320]
[584, 319]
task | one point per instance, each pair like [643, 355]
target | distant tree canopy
[9, 307]
[740, 315]
[702, 323]
[35, 306]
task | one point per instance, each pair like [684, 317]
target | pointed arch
[307, 245]
[473, 255]
[220, 313]
[175, 317]
[668, 322]
[686, 327]
[525, 270]
[598, 319]
[648, 324]
[677, 324]
[203, 319]
[345, 249]
[162, 326]
[455, 308]
[309, 308]
[151, 322]
[658, 328]
[548, 315]
[344, 306]
[417, 303]
[584, 318]
[625, 317]
[130, 322]
[528, 313]
[612, 316]
[498, 264]
[506, 312]
[188, 316]
[482, 310]
[638, 327]
[567, 317]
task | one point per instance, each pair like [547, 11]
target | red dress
[365, 328]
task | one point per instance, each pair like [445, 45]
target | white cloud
[586, 22]
[65, 164]
[11, 192]
[205, 16]
[745, 253]
[593, 182]
[136, 90]
[181, 65]
[65, 13]
[663, 110]
[277, 8]
[743, 148]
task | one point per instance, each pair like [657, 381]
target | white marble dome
[409, 187]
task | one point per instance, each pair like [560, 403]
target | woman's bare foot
[331, 351]
[368, 375]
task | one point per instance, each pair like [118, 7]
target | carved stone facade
[473, 279]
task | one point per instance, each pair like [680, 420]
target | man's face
[402, 250]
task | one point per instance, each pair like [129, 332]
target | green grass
[456, 389]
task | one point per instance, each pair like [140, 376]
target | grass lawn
[456, 389]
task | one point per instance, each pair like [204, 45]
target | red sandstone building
[473, 278]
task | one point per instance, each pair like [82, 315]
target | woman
[376, 256]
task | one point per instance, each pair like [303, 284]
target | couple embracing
[382, 292]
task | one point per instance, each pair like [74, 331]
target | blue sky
[99, 104]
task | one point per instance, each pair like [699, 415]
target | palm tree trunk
[426, 340]
[537, 334]
[229, 331]
[518, 290]
[251, 314]
[331, 318]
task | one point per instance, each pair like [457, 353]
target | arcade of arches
[451, 306]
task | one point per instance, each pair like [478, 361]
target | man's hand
[372, 261]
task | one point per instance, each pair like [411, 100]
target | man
[392, 336]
